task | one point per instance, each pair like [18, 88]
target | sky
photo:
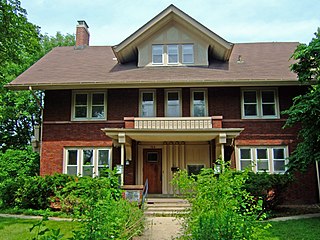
[237, 21]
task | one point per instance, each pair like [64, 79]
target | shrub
[221, 207]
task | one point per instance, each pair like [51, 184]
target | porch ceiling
[152, 135]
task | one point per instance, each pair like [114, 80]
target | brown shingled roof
[95, 67]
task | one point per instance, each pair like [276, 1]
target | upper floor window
[263, 159]
[157, 54]
[89, 106]
[173, 54]
[187, 53]
[260, 103]
[86, 161]
[199, 106]
[147, 103]
[173, 103]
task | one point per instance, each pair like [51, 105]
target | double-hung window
[157, 54]
[263, 158]
[86, 161]
[199, 107]
[187, 53]
[260, 103]
[89, 106]
[173, 103]
[173, 54]
[147, 103]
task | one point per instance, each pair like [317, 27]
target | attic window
[157, 54]
[187, 53]
[173, 54]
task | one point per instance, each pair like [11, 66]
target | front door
[152, 169]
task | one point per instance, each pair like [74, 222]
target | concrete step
[166, 206]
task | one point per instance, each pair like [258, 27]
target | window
[263, 159]
[89, 106]
[260, 103]
[173, 103]
[199, 103]
[173, 54]
[157, 54]
[87, 161]
[187, 53]
[147, 103]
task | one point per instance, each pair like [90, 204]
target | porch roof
[156, 135]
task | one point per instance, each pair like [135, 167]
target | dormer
[173, 38]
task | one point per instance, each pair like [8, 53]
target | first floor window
[89, 105]
[87, 161]
[263, 158]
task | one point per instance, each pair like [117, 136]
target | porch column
[122, 141]
[221, 140]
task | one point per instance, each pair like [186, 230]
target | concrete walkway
[161, 228]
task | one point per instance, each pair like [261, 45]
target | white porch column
[122, 141]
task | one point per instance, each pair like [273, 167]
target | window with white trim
[199, 106]
[89, 105]
[187, 53]
[173, 54]
[260, 103]
[263, 158]
[173, 106]
[157, 54]
[86, 161]
[147, 103]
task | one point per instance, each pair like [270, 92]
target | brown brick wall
[57, 105]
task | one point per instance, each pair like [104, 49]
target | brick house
[173, 95]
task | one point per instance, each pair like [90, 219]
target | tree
[21, 45]
[306, 108]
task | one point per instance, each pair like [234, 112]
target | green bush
[221, 207]
[15, 166]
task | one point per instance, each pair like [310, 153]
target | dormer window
[173, 54]
[157, 54]
[187, 53]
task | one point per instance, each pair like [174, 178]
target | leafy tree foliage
[21, 44]
[306, 108]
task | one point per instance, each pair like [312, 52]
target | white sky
[111, 21]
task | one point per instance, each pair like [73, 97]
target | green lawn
[17, 229]
[303, 229]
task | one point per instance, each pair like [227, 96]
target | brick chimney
[82, 34]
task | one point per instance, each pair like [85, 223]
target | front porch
[158, 147]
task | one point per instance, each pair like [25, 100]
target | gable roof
[126, 51]
[262, 64]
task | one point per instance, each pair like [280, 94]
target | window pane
[98, 99]
[262, 154]
[72, 170]
[103, 157]
[98, 112]
[267, 96]
[263, 165]
[268, 110]
[80, 112]
[278, 153]
[87, 157]
[187, 53]
[245, 154]
[81, 99]
[72, 157]
[249, 97]
[157, 51]
[279, 166]
[147, 97]
[87, 171]
[245, 164]
[250, 110]
[198, 96]
[173, 96]
[172, 53]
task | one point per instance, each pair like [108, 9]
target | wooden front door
[152, 169]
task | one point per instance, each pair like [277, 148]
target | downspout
[41, 125]
[318, 180]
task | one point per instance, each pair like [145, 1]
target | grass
[302, 229]
[17, 229]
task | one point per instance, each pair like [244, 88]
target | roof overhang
[172, 135]
[157, 84]
[127, 49]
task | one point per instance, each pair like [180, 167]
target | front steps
[165, 206]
